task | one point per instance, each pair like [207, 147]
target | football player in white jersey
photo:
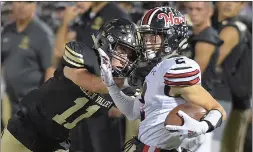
[173, 81]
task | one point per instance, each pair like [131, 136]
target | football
[194, 111]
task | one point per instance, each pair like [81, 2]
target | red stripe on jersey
[181, 83]
[181, 75]
[146, 17]
[145, 148]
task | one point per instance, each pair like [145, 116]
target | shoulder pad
[74, 54]
[184, 72]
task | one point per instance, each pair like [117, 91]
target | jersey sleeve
[186, 73]
[73, 58]
[78, 55]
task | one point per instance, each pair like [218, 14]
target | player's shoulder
[78, 49]
[79, 55]
[182, 72]
[179, 62]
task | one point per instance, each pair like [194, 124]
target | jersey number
[180, 60]
[79, 103]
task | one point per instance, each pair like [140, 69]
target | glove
[191, 128]
[106, 68]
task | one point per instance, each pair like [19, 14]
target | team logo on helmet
[170, 20]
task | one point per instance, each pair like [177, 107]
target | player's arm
[203, 54]
[83, 78]
[230, 36]
[196, 94]
[184, 80]
[129, 106]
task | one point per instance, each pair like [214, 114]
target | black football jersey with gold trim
[59, 105]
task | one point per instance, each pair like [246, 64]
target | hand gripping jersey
[50, 112]
[175, 71]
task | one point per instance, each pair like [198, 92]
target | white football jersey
[175, 71]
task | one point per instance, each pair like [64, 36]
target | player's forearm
[126, 104]
[100, 87]
[198, 95]
[208, 103]
[94, 84]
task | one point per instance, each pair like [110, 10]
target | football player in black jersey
[48, 114]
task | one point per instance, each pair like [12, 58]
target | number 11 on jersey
[79, 103]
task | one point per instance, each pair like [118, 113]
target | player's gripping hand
[191, 128]
[106, 68]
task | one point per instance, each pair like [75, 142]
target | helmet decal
[171, 20]
[147, 17]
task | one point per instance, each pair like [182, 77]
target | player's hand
[106, 68]
[191, 128]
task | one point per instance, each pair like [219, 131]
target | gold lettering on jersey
[101, 101]
[94, 95]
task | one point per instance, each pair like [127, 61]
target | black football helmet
[170, 24]
[120, 32]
